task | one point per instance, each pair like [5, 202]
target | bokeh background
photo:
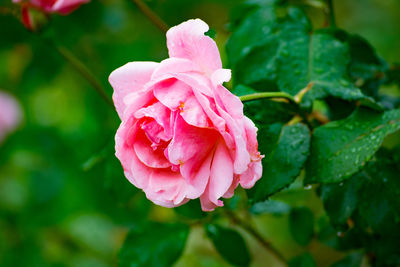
[63, 198]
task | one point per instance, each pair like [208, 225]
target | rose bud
[33, 19]
[63, 7]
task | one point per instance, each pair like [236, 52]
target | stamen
[181, 106]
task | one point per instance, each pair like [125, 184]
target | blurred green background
[63, 198]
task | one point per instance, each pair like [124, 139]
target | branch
[265, 243]
[152, 16]
[331, 13]
[85, 72]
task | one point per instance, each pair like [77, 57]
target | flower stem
[151, 15]
[252, 231]
[331, 14]
[256, 96]
[85, 72]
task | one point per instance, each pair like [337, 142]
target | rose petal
[160, 114]
[172, 66]
[229, 102]
[196, 172]
[135, 171]
[188, 141]
[166, 187]
[251, 175]
[128, 79]
[148, 156]
[241, 155]
[220, 76]
[187, 40]
[172, 92]
[221, 176]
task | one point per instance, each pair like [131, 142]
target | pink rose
[62, 7]
[183, 135]
[10, 114]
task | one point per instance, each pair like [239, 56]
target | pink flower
[183, 135]
[62, 7]
[10, 114]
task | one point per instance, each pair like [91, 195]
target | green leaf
[374, 193]
[253, 31]
[340, 199]
[340, 148]
[373, 210]
[338, 239]
[352, 260]
[229, 243]
[274, 207]
[379, 203]
[394, 74]
[301, 225]
[304, 260]
[254, 48]
[366, 69]
[154, 245]
[283, 163]
[274, 48]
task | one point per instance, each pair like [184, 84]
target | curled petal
[189, 141]
[161, 115]
[187, 40]
[172, 66]
[153, 158]
[129, 78]
[220, 76]
[196, 172]
[172, 93]
[251, 175]
[229, 102]
[221, 178]
[166, 188]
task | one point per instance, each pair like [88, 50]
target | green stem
[252, 231]
[151, 15]
[331, 14]
[257, 96]
[85, 72]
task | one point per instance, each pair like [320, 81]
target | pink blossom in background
[10, 114]
[62, 7]
[183, 134]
